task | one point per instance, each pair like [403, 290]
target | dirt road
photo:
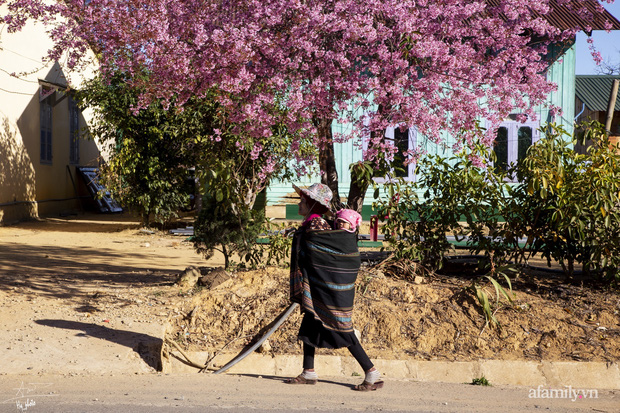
[74, 299]
[224, 393]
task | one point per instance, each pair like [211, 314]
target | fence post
[374, 228]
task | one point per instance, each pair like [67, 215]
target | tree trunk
[571, 269]
[358, 188]
[226, 259]
[250, 195]
[146, 218]
[327, 159]
[357, 193]
[611, 107]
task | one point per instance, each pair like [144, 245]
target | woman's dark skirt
[314, 334]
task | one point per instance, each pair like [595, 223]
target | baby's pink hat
[351, 216]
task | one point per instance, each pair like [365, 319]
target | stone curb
[583, 375]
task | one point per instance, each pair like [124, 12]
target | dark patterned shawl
[324, 267]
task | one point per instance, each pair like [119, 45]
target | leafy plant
[480, 381]
[461, 196]
[219, 227]
[233, 175]
[567, 204]
[482, 296]
[279, 248]
[398, 213]
[151, 151]
[275, 252]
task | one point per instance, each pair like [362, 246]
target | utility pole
[611, 107]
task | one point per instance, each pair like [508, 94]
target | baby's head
[348, 220]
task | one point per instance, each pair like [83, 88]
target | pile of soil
[433, 318]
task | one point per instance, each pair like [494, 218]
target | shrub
[566, 203]
[461, 197]
[220, 227]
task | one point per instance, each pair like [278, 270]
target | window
[403, 140]
[46, 129]
[512, 141]
[74, 133]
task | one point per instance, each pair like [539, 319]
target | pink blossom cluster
[440, 65]
[596, 55]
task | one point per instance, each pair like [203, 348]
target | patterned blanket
[324, 268]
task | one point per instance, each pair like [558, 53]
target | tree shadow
[17, 175]
[85, 222]
[148, 347]
[32, 182]
[53, 270]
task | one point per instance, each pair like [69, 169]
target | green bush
[229, 230]
[567, 204]
[151, 151]
[564, 204]
[461, 197]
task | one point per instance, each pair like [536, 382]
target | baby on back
[348, 220]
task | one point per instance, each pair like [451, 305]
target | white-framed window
[404, 140]
[512, 141]
[46, 129]
[74, 132]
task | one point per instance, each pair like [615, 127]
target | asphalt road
[235, 393]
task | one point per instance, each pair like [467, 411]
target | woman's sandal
[365, 386]
[300, 380]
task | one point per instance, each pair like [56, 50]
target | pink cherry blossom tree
[440, 65]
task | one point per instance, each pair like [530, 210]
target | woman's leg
[308, 375]
[308, 357]
[360, 355]
[372, 376]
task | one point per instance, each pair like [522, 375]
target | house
[514, 137]
[592, 95]
[41, 141]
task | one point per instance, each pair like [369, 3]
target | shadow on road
[148, 347]
[283, 379]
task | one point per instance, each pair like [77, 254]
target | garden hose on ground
[276, 323]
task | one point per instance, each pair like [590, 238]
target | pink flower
[437, 65]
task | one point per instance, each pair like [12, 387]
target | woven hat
[317, 192]
[351, 216]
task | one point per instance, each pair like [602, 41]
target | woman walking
[324, 266]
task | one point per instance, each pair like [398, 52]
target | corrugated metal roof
[565, 16]
[594, 91]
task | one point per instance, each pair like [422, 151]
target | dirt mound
[437, 318]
